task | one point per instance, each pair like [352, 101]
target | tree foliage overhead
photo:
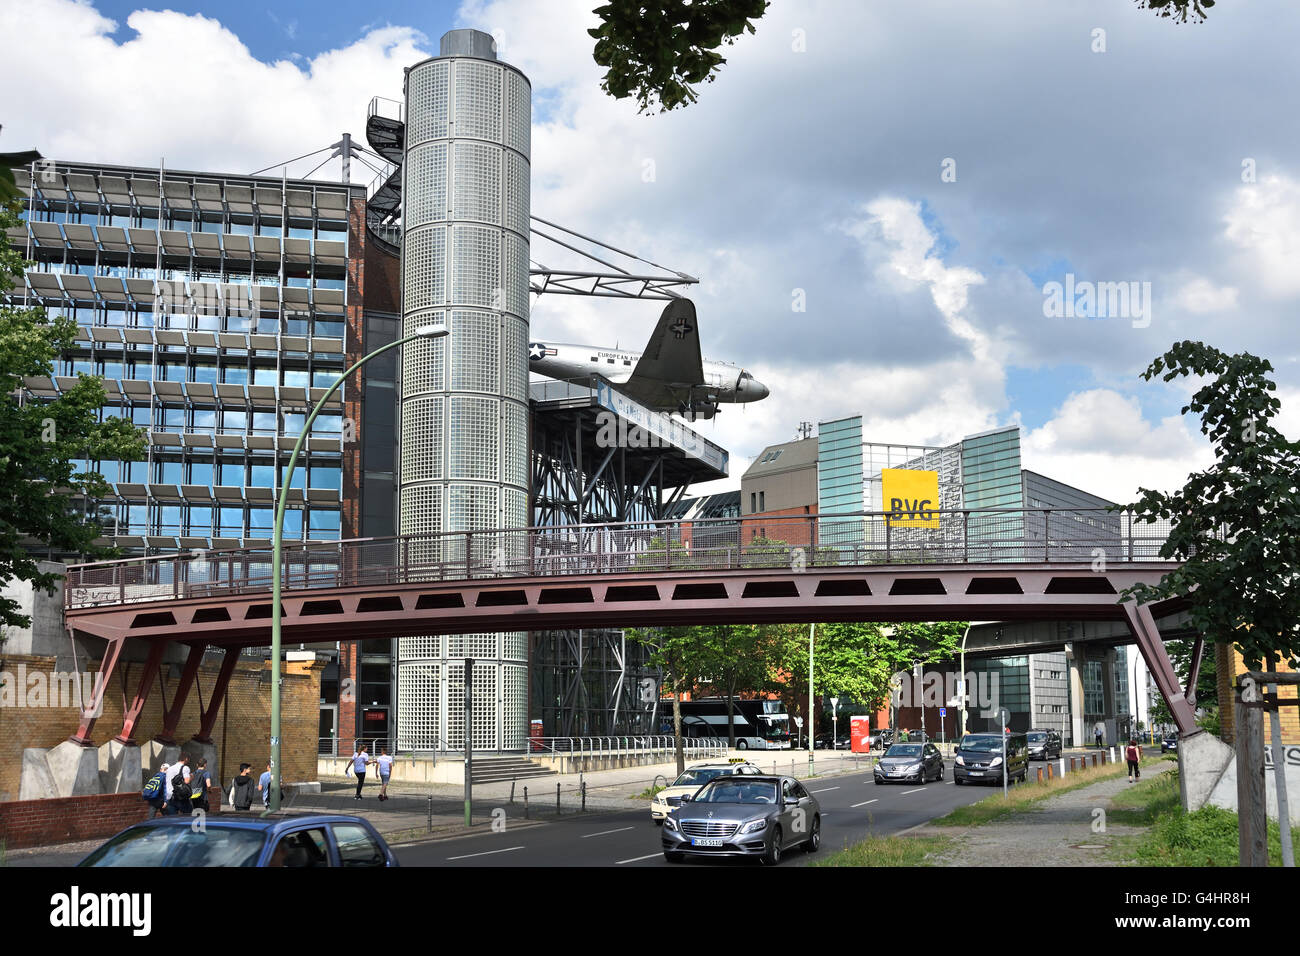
[1235, 526]
[1179, 9]
[42, 442]
[658, 49]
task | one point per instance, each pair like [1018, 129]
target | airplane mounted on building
[669, 376]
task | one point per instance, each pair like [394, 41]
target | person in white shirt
[179, 770]
[360, 759]
[385, 765]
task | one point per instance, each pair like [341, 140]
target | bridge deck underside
[878, 593]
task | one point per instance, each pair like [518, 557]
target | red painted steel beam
[1143, 625]
[112, 653]
[132, 714]
[209, 716]
[172, 715]
[1194, 675]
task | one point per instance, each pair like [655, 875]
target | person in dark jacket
[243, 786]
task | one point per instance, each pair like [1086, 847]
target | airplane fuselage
[723, 382]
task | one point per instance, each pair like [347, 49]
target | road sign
[798, 721]
[943, 711]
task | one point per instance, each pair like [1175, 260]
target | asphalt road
[852, 807]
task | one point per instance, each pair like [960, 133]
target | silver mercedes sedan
[744, 816]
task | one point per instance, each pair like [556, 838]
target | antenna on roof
[804, 430]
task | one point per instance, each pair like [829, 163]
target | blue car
[311, 840]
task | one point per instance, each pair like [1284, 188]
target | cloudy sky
[914, 174]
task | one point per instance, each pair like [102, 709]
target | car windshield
[1037, 738]
[180, 846]
[735, 790]
[982, 744]
[697, 778]
[904, 750]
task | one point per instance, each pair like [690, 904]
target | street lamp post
[812, 714]
[834, 721]
[277, 547]
[961, 692]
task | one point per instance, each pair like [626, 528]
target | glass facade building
[214, 307]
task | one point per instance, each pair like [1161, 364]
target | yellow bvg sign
[911, 497]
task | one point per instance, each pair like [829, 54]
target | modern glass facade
[839, 467]
[214, 307]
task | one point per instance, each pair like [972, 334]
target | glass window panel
[232, 474]
[264, 423]
[263, 375]
[201, 473]
[234, 421]
[234, 374]
[326, 476]
[205, 418]
[263, 476]
[261, 520]
[232, 522]
[323, 378]
[296, 377]
[205, 372]
[293, 524]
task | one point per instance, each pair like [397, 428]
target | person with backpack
[241, 788]
[155, 793]
[178, 787]
[200, 783]
[1133, 754]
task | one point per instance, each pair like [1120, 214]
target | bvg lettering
[900, 508]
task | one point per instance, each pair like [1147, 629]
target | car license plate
[702, 841]
[976, 773]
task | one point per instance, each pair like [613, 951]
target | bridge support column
[112, 653]
[156, 650]
[172, 714]
[1074, 676]
[209, 716]
[1143, 625]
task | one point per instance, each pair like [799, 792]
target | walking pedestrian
[155, 793]
[178, 787]
[385, 765]
[360, 759]
[1098, 735]
[1133, 754]
[199, 786]
[241, 788]
[264, 786]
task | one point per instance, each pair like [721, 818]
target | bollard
[430, 820]
[525, 803]
[1040, 774]
[1094, 760]
[1049, 771]
[557, 799]
[512, 790]
[584, 797]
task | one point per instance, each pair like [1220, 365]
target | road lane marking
[824, 790]
[917, 790]
[466, 856]
[604, 832]
[863, 803]
[637, 859]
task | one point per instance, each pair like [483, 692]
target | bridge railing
[969, 536]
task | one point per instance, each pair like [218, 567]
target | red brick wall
[26, 823]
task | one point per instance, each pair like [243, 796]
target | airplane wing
[670, 365]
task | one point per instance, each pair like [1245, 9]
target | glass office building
[214, 307]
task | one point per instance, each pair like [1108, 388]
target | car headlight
[960, 761]
[661, 800]
[670, 823]
[995, 762]
[754, 826]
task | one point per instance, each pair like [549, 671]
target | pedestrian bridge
[972, 564]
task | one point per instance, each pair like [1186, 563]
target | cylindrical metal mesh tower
[464, 430]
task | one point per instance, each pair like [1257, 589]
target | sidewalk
[1057, 831]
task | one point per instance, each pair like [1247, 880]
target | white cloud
[1264, 222]
[1099, 441]
[1199, 296]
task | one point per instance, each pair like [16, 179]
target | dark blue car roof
[272, 824]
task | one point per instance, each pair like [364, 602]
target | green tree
[1178, 9]
[677, 653]
[1235, 526]
[655, 51]
[733, 662]
[41, 443]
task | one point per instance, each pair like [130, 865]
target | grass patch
[647, 794]
[889, 851]
[1146, 801]
[1024, 794]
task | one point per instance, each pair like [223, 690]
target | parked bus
[759, 724]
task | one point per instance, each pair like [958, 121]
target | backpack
[155, 788]
[180, 789]
[202, 780]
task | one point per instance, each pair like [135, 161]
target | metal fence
[970, 536]
[693, 747]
